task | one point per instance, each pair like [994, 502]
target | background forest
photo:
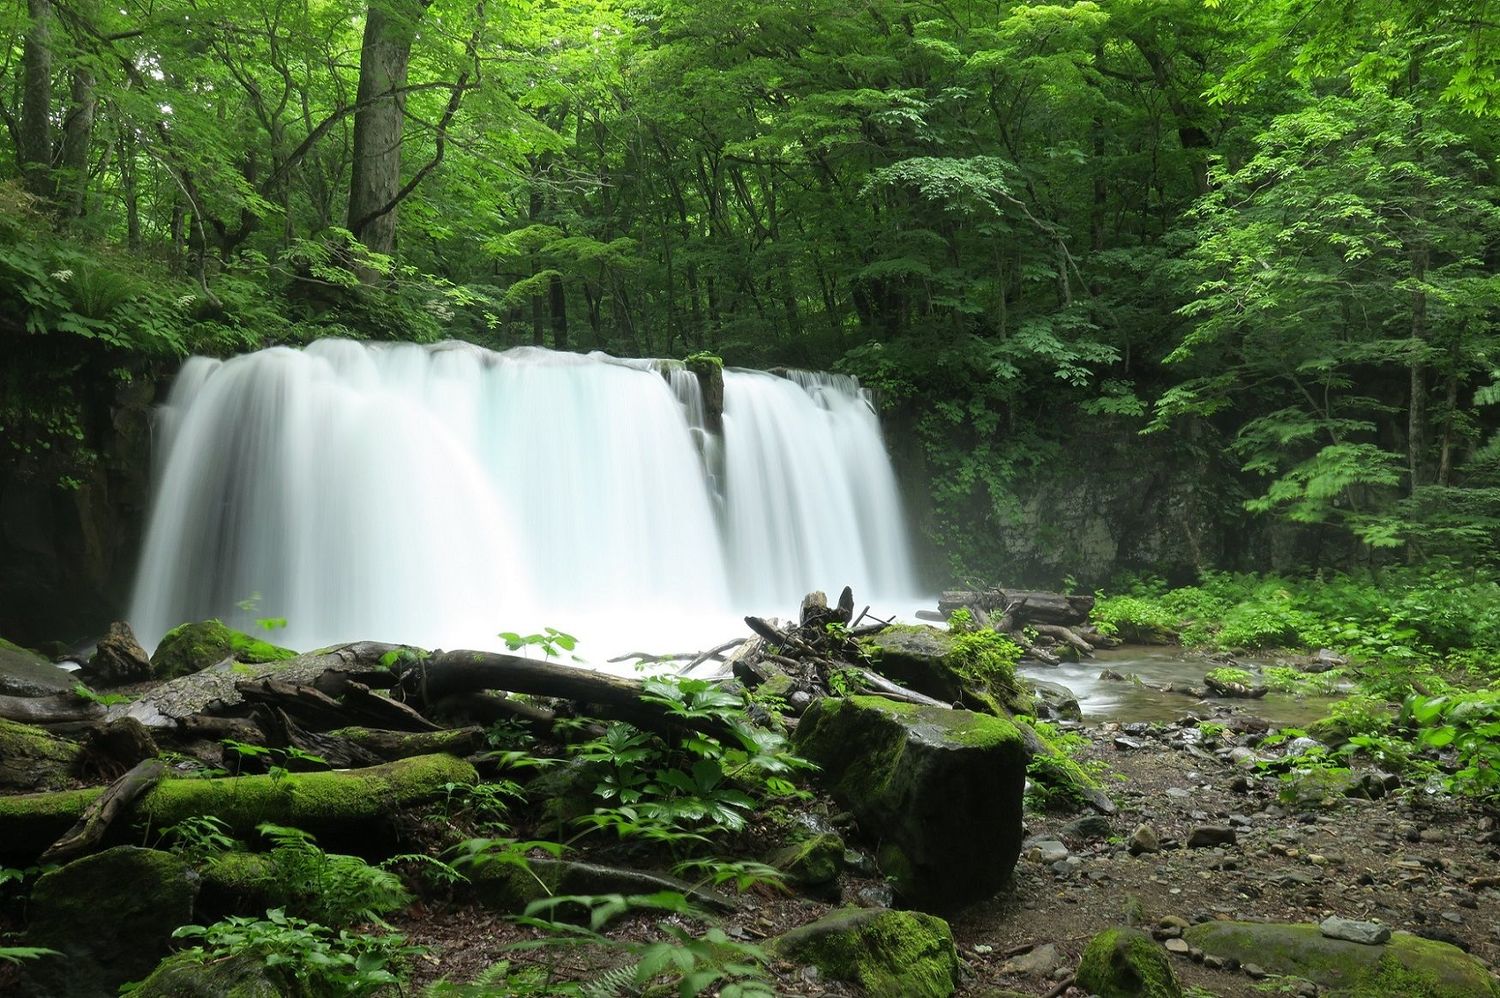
[1255, 241]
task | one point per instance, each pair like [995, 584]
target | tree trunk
[78, 133]
[558, 305]
[390, 27]
[34, 148]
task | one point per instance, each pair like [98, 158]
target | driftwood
[1064, 635]
[1028, 606]
[878, 685]
[100, 814]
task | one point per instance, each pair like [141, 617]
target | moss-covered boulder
[24, 673]
[188, 975]
[1125, 963]
[111, 914]
[33, 758]
[891, 954]
[975, 669]
[1406, 965]
[188, 648]
[811, 862]
[941, 789]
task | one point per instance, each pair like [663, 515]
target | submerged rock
[1125, 963]
[891, 954]
[188, 648]
[940, 788]
[24, 673]
[1406, 965]
[112, 916]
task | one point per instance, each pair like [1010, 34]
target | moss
[188, 975]
[29, 823]
[975, 668]
[891, 954]
[344, 799]
[240, 883]
[32, 758]
[1125, 963]
[189, 648]
[813, 862]
[1407, 965]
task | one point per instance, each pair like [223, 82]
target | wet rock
[33, 758]
[943, 787]
[890, 954]
[118, 659]
[1125, 963]
[24, 673]
[1367, 933]
[1054, 700]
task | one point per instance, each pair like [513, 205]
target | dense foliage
[1266, 227]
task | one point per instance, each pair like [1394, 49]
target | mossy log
[340, 803]
[405, 744]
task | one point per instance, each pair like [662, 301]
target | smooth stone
[1368, 933]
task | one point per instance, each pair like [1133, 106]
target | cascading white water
[440, 495]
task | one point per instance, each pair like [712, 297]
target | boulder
[188, 975]
[1405, 965]
[1125, 963]
[812, 862]
[891, 954]
[118, 659]
[1055, 701]
[34, 759]
[24, 673]
[941, 789]
[949, 667]
[188, 648]
[111, 914]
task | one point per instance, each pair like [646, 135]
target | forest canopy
[1267, 229]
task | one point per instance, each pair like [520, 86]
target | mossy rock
[111, 914]
[188, 975]
[1067, 785]
[942, 789]
[1125, 963]
[24, 673]
[189, 648]
[811, 862]
[933, 662]
[33, 758]
[891, 954]
[240, 883]
[1407, 965]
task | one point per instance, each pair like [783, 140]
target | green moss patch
[189, 648]
[1125, 963]
[891, 954]
[976, 669]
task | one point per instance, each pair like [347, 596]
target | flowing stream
[439, 495]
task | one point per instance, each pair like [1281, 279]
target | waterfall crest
[437, 495]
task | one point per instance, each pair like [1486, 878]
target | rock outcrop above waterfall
[941, 788]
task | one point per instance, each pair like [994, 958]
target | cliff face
[67, 555]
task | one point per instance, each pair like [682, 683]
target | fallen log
[392, 745]
[878, 685]
[346, 804]
[59, 708]
[446, 673]
[101, 813]
[1030, 606]
[1066, 635]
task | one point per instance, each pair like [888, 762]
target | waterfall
[438, 495]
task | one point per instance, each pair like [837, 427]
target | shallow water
[1113, 700]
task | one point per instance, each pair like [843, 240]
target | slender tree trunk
[385, 52]
[34, 152]
[78, 133]
[130, 192]
[557, 305]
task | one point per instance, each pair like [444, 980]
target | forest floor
[1416, 862]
